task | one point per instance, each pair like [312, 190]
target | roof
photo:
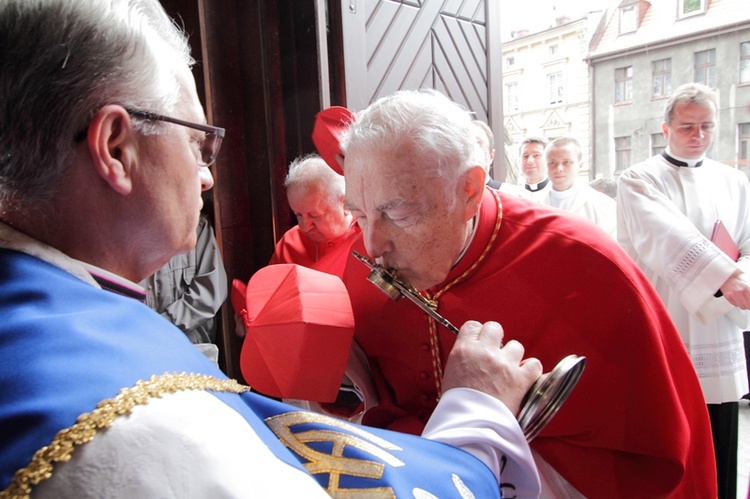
[660, 25]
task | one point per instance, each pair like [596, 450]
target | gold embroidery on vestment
[335, 463]
[88, 424]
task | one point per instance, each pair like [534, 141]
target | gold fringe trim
[88, 424]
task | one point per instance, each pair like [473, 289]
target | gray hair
[424, 124]
[312, 172]
[62, 61]
[562, 142]
[533, 139]
[689, 93]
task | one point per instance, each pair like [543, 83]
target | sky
[537, 15]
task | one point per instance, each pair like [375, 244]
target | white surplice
[665, 216]
[587, 202]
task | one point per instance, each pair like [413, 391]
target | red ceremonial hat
[329, 127]
[300, 327]
[239, 292]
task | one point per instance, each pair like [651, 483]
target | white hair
[312, 172]
[422, 123]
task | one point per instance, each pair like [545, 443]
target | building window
[510, 61]
[553, 51]
[628, 18]
[658, 143]
[705, 67]
[512, 101]
[745, 62]
[689, 8]
[743, 135]
[556, 89]
[661, 78]
[622, 153]
[624, 84]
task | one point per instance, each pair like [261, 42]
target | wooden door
[449, 45]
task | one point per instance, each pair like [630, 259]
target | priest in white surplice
[667, 207]
[570, 193]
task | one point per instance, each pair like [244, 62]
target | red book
[721, 238]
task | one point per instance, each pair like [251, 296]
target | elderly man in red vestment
[325, 229]
[636, 423]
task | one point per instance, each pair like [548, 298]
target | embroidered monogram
[341, 435]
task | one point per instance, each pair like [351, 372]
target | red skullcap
[329, 127]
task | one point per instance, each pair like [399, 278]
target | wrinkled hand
[736, 290]
[478, 362]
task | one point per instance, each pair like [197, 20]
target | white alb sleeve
[484, 427]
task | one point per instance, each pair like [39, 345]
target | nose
[207, 179]
[376, 240]
[305, 223]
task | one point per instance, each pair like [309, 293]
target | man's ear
[474, 179]
[342, 203]
[112, 144]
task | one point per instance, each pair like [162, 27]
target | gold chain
[88, 424]
[437, 363]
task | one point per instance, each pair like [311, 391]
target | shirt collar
[677, 161]
[13, 239]
[114, 283]
[538, 186]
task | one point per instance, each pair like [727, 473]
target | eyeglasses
[209, 146]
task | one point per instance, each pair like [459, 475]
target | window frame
[624, 85]
[623, 153]
[704, 72]
[558, 85]
[743, 147]
[658, 143]
[664, 76]
[628, 19]
[744, 61]
[681, 4]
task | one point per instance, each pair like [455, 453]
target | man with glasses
[667, 209]
[104, 154]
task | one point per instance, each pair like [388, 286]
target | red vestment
[329, 257]
[635, 425]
